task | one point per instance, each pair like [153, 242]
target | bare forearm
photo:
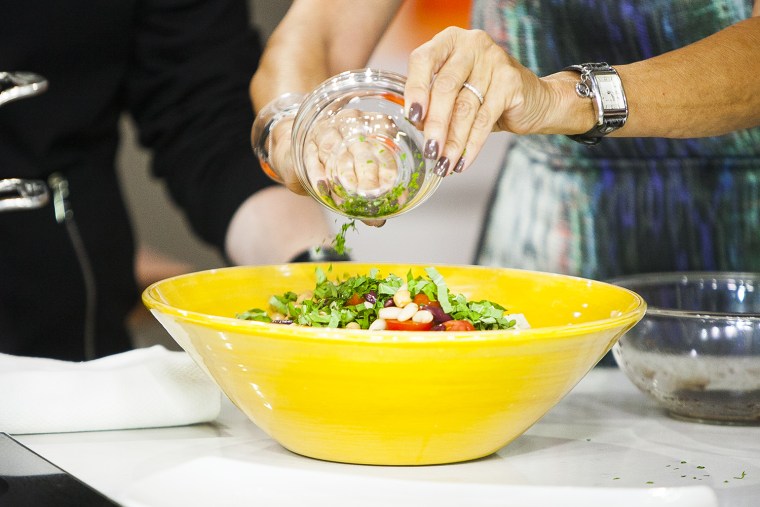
[318, 39]
[707, 88]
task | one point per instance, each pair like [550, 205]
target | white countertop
[605, 444]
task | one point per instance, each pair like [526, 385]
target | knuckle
[463, 108]
[453, 144]
[434, 125]
[483, 119]
[446, 82]
[451, 31]
[483, 38]
[419, 56]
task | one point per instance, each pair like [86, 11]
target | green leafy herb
[329, 306]
[254, 314]
[339, 242]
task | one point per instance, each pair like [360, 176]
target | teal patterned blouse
[626, 205]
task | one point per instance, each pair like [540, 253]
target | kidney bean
[438, 314]
[371, 297]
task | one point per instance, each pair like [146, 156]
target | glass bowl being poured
[353, 149]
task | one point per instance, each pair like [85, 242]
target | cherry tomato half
[354, 300]
[458, 325]
[407, 325]
[422, 299]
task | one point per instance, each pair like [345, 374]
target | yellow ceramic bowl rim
[365, 336]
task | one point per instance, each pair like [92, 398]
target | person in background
[672, 186]
[181, 69]
[663, 174]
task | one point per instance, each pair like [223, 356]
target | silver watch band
[610, 118]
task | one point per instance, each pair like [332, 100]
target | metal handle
[18, 194]
[17, 85]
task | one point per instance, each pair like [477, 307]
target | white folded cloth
[142, 388]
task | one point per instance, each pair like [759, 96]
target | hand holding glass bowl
[349, 145]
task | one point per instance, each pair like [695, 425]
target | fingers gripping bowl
[353, 149]
[394, 397]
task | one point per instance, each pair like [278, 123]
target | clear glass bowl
[697, 349]
[353, 149]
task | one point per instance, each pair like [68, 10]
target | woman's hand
[455, 122]
[341, 156]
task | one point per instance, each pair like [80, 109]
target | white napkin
[142, 388]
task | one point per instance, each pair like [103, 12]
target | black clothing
[181, 68]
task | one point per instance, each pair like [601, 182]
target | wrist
[283, 107]
[571, 114]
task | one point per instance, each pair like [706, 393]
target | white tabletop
[604, 444]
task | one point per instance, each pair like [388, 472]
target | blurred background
[445, 229]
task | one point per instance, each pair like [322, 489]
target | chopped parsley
[339, 243]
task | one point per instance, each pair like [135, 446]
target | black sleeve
[188, 93]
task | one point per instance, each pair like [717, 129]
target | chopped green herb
[742, 476]
[339, 243]
[254, 314]
[328, 306]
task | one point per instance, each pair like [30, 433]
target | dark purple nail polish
[460, 165]
[441, 167]
[431, 149]
[415, 112]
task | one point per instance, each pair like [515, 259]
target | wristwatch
[601, 83]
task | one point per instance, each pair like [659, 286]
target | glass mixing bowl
[697, 349]
[353, 149]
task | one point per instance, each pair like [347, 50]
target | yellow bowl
[394, 397]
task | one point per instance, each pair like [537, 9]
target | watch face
[610, 91]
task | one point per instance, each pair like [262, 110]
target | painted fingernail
[415, 112]
[441, 167]
[431, 149]
[460, 165]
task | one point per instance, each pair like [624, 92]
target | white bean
[407, 312]
[390, 312]
[353, 325]
[402, 297]
[423, 317]
[378, 325]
